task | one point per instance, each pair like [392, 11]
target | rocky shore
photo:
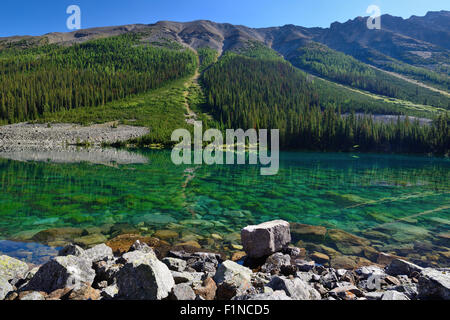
[270, 269]
[49, 136]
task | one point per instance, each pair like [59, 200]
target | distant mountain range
[419, 41]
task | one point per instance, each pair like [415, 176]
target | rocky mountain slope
[417, 40]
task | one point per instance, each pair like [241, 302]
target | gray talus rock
[11, 268]
[434, 284]
[144, 277]
[99, 253]
[295, 288]
[230, 271]
[106, 270]
[62, 272]
[175, 264]
[374, 295]
[232, 279]
[139, 246]
[346, 291]
[137, 256]
[95, 254]
[110, 292]
[182, 292]
[32, 296]
[394, 295]
[402, 267]
[266, 238]
[5, 288]
[367, 272]
[71, 250]
[275, 262]
[275, 295]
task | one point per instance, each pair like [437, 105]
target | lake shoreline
[51, 136]
[271, 268]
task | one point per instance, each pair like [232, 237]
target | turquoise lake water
[406, 198]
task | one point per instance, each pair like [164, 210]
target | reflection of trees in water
[189, 174]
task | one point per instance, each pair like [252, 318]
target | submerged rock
[320, 257]
[57, 234]
[122, 243]
[266, 238]
[308, 232]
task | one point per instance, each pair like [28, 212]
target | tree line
[339, 67]
[52, 78]
[243, 92]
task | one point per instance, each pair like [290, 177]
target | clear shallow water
[404, 198]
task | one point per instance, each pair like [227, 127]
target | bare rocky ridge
[399, 38]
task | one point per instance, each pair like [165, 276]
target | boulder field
[270, 269]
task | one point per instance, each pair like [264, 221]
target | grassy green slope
[52, 78]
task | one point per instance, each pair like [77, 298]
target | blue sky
[20, 17]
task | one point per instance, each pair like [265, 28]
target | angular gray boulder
[434, 284]
[175, 264]
[71, 250]
[62, 272]
[144, 277]
[232, 279]
[296, 288]
[394, 295]
[182, 292]
[95, 254]
[234, 273]
[402, 267]
[266, 238]
[5, 288]
[99, 252]
[11, 268]
[271, 296]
